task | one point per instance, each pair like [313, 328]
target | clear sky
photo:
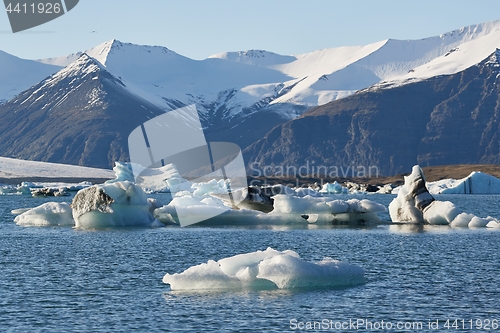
[200, 28]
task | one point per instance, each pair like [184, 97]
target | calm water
[66, 280]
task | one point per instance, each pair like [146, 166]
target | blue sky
[198, 29]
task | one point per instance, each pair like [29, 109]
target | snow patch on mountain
[453, 52]
[19, 74]
[84, 68]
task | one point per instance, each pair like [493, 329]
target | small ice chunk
[440, 212]
[478, 222]
[462, 220]
[48, 214]
[334, 188]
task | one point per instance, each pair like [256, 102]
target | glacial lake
[58, 279]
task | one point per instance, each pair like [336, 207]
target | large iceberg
[285, 209]
[269, 269]
[414, 204]
[47, 214]
[475, 183]
[118, 204]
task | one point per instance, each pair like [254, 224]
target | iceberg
[414, 204]
[334, 188]
[48, 214]
[49, 192]
[117, 204]
[326, 210]
[269, 269]
[475, 183]
[278, 209]
[192, 207]
[256, 197]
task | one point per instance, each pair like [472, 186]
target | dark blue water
[66, 280]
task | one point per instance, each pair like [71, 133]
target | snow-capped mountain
[250, 81]
[445, 119]
[240, 95]
[17, 75]
[80, 115]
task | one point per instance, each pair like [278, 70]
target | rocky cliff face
[447, 119]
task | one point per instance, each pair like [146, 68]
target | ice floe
[269, 269]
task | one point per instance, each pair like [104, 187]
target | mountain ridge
[86, 120]
[240, 96]
[448, 119]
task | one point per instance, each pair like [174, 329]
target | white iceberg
[191, 207]
[414, 204]
[286, 209]
[118, 204]
[48, 214]
[334, 188]
[326, 210]
[475, 183]
[269, 269]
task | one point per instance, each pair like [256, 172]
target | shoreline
[69, 180]
[432, 173]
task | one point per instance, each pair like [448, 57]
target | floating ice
[412, 198]
[416, 205]
[192, 207]
[48, 214]
[303, 192]
[8, 189]
[118, 204]
[269, 269]
[212, 186]
[475, 183]
[123, 172]
[49, 192]
[325, 209]
[334, 188]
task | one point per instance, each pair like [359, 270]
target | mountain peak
[473, 31]
[82, 66]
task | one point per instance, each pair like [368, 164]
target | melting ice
[269, 269]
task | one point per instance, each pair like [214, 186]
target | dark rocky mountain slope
[81, 115]
[449, 119]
